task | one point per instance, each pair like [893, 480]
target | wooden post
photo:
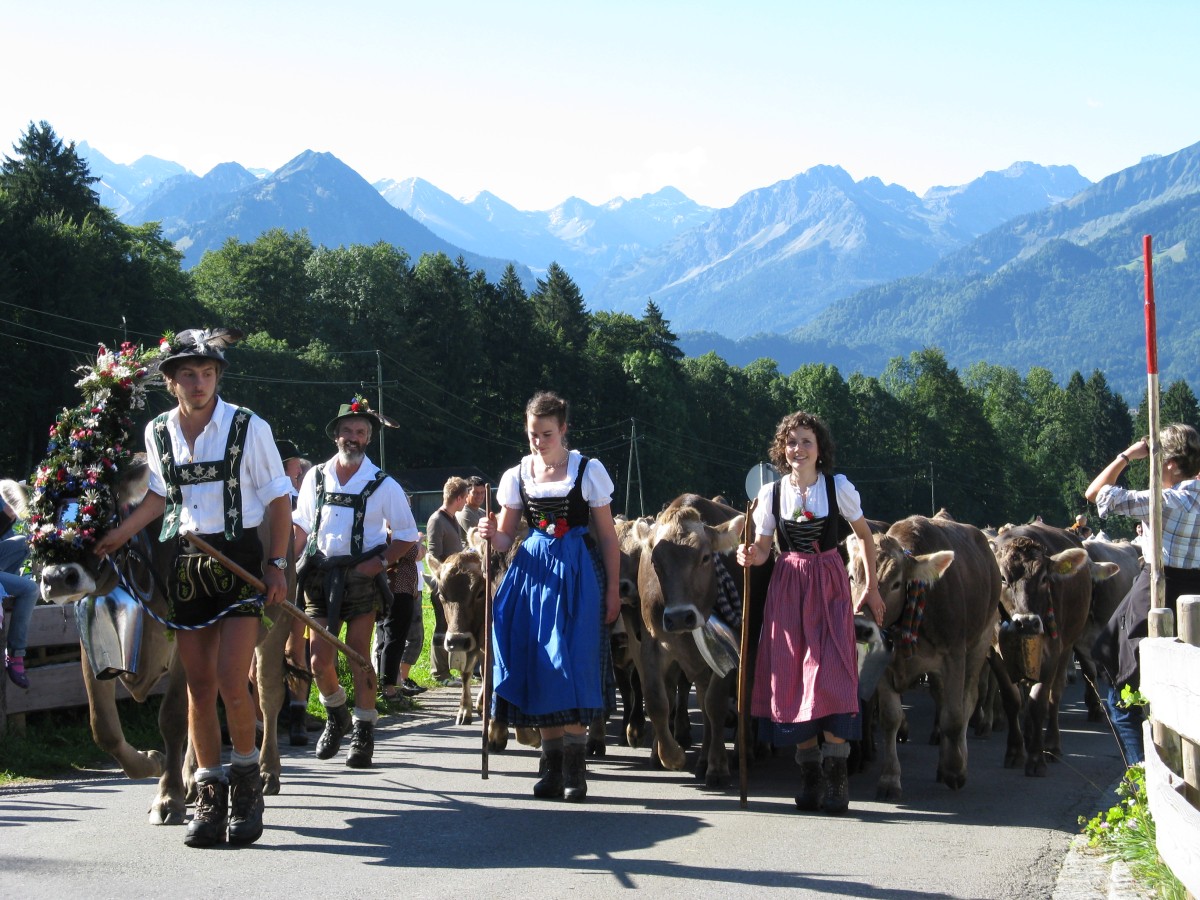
[743, 676]
[1189, 633]
[1154, 556]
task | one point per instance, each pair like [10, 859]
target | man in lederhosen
[346, 507]
[215, 472]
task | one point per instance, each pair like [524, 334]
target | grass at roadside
[59, 743]
[1127, 832]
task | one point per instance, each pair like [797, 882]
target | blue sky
[536, 101]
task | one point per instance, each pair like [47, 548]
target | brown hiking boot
[208, 825]
[245, 805]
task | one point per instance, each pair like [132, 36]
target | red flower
[354, 407]
[808, 514]
[561, 527]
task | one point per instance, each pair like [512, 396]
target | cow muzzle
[66, 582]
[682, 618]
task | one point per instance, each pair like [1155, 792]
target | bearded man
[346, 508]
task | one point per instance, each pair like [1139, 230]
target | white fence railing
[1171, 682]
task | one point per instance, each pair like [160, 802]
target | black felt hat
[196, 343]
[288, 450]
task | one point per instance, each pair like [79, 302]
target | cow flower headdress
[88, 444]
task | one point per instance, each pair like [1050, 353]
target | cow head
[1030, 576]
[676, 568]
[896, 569]
[70, 523]
[462, 589]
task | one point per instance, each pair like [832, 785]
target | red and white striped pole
[1154, 557]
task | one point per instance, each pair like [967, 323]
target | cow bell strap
[176, 476]
[356, 502]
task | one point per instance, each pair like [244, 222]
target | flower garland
[359, 404]
[88, 445]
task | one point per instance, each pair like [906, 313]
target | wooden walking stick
[314, 627]
[487, 633]
[743, 679]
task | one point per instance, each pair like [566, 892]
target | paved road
[422, 823]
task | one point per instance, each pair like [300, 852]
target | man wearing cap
[215, 472]
[346, 507]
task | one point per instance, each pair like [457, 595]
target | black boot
[362, 745]
[837, 789]
[297, 725]
[575, 772]
[208, 825]
[336, 727]
[809, 798]
[550, 787]
[245, 804]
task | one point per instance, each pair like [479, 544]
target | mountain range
[1017, 267]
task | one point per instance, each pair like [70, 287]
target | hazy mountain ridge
[1060, 288]
[810, 240]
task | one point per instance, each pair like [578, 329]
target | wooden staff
[487, 633]
[1154, 557]
[314, 627]
[743, 679]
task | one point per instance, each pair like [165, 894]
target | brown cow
[678, 585]
[1046, 599]
[145, 563]
[960, 613]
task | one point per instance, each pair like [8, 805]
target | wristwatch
[279, 562]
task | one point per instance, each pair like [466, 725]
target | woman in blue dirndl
[548, 634]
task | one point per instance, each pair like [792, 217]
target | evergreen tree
[48, 178]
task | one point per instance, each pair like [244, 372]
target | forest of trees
[455, 357]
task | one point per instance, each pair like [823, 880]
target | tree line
[453, 357]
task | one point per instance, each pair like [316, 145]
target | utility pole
[635, 465]
[932, 504]
[379, 406]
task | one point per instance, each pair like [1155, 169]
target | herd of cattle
[1000, 618]
[987, 619]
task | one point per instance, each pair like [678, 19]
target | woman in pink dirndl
[806, 676]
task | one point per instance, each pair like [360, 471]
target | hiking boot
[245, 804]
[574, 772]
[837, 788]
[208, 825]
[550, 787]
[362, 745]
[809, 798]
[336, 727]
[297, 725]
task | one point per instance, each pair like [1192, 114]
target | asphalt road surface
[423, 824]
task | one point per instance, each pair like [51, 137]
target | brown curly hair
[788, 424]
[547, 403]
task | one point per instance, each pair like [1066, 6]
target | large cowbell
[110, 629]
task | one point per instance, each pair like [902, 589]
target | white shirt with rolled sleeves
[848, 501]
[262, 475]
[386, 508]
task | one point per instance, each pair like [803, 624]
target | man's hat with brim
[288, 450]
[361, 408]
[196, 343]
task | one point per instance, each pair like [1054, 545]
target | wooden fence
[53, 663]
[1171, 682]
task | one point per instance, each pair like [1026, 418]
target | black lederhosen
[201, 587]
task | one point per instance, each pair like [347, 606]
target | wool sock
[366, 715]
[836, 751]
[337, 698]
[574, 739]
[808, 755]
[216, 774]
[243, 760]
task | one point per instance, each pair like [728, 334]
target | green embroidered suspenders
[357, 502]
[227, 470]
